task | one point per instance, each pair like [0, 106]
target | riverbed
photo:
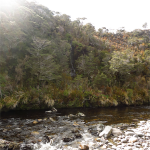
[58, 130]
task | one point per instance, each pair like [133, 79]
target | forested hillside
[46, 59]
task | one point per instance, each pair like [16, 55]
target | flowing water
[28, 127]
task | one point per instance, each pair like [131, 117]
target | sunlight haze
[131, 14]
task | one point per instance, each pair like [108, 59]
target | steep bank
[46, 59]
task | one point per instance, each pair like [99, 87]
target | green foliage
[101, 80]
[122, 62]
[2, 81]
[46, 58]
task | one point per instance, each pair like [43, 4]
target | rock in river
[84, 147]
[80, 114]
[116, 131]
[106, 132]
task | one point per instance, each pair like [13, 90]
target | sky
[112, 14]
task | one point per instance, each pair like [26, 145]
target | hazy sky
[112, 14]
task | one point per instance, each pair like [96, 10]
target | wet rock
[135, 120]
[129, 133]
[14, 146]
[5, 130]
[101, 140]
[132, 139]
[35, 133]
[84, 147]
[69, 138]
[54, 109]
[44, 119]
[72, 116]
[95, 130]
[48, 111]
[45, 139]
[106, 132]
[51, 119]
[35, 122]
[128, 148]
[75, 131]
[26, 147]
[116, 132]
[80, 114]
[139, 134]
[78, 135]
[124, 126]
[132, 125]
[124, 141]
[40, 120]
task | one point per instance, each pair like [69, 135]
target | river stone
[35, 133]
[51, 119]
[75, 131]
[139, 134]
[132, 139]
[124, 141]
[54, 109]
[115, 139]
[128, 148]
[94, 130]
[5, 130]
[129, 133]
[17, 129]
[72, 116]
[136, 120]
[45, 139]
[48, 111]
[80, 114]
[78, 135]
[14, 146]
[26, 147]
[116, 132]
[35, 122]
[106, 132]
[69, 138]
[39, 120]
[44, 119]
[84, 147]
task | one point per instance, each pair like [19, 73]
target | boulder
[116, 132]
[106, 132]
[54, 109]
[80, 114]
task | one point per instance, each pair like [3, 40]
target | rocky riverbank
[72, 133]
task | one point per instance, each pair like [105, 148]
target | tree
[42, 65]
[87, 64]
[122, 62]
[144, 25]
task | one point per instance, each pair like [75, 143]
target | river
[31, 126]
